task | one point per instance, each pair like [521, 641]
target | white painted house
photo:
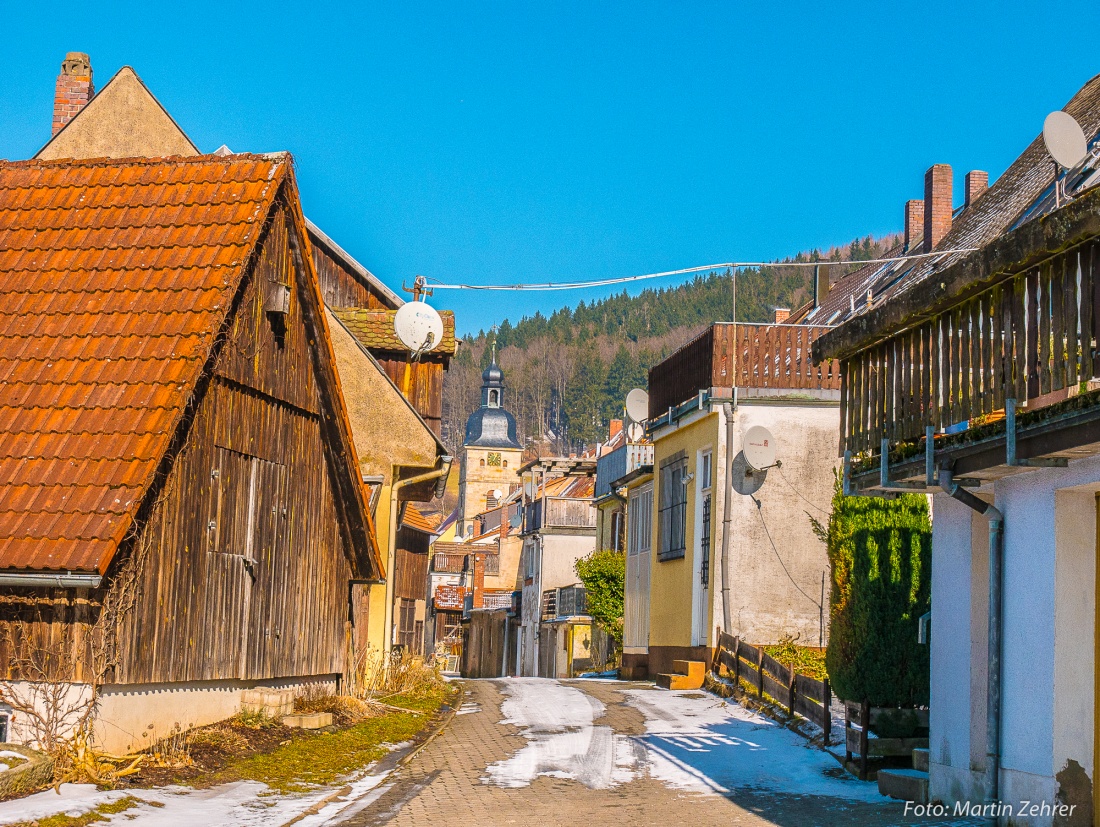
[996, 355]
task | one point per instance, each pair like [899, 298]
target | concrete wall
[777, 579]
[1049, 640]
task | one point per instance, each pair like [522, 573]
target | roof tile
[114, 275]
[374, 329]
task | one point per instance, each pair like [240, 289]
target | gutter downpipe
[391, 542]
[727, 506]
[996, 576]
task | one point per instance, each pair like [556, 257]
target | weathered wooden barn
[182, 511]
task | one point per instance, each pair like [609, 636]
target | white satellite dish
[497, 494]
[759, 448]
[1064, 139]
[418, 326]
[529, 490]
[635, 432]
[637, 405]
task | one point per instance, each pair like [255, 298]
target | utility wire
[764, 523]
[728, 265]
[779, 468]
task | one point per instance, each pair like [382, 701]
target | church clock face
[493, 459]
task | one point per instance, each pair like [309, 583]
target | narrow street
[544, 752]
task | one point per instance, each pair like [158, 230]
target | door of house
[638, 561]
[700, 592]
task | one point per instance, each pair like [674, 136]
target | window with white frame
[672, 513]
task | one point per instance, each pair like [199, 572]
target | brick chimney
[937, 205]
[615, 429]
[74, 89]
[914, 222]
[479, 581]
[977, 182]
[781, 315]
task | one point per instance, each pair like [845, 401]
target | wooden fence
[798, 694]
[1027, 337]
[749, 356]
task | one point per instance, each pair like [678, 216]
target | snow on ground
[697, 741]
[694, 741]
[239, 804]
[562, 740]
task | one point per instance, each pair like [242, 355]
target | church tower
[491, 454]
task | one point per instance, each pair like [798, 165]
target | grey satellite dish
[635, 432]
[637, 405]
[1064, 139]
[529, 490]
[759, 448]
[418, 326]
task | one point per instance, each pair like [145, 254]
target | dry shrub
[218, 738]
[254, 719]
[78, 762]
[345, 710]
[402, 674]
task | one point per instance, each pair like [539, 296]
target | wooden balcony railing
[753, 356]
[1031, 336]
[561, 512]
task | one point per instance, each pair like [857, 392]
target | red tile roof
[415, 519]
[114, 278]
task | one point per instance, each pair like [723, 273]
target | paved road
[567, 753]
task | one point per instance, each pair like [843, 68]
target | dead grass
[346, 711]
[100, 813]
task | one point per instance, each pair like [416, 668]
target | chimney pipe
[937, 205]
[821, 284]
[914, 223]
[74, 89]
[977, 182]
[781, 315]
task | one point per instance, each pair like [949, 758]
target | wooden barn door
[242, 562]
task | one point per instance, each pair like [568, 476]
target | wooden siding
[1028, 337]
[412, 565]
[749, 356]
[240, 566]
[340, 287]
[425, 384]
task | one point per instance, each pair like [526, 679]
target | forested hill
[567, 374]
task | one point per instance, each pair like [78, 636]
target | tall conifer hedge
[881, 556]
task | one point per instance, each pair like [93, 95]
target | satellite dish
[637, 405]
[418, 326]
[529, 490]
[1064, 139]
[497, 494]
[635, 432]
[759, 448]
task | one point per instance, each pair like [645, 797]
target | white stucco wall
[1049, 629]
[777, 591]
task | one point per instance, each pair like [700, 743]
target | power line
[728, 265]
[779, 468]
[764, 523]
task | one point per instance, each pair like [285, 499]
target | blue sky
[503, 142]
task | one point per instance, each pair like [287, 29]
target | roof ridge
[280, 157]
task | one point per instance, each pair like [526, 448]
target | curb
[392, 761]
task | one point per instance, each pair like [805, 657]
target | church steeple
[492, 385]
[491, 425]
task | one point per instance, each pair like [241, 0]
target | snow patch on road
[699, 742]
[240, 804]
[562, 738]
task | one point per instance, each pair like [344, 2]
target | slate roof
[1022, 193]
[374, 329]
[114, 278]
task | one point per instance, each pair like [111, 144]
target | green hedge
[881, 557]
[603, 573]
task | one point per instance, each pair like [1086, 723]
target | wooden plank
[778, 690]
[965, 371]
[889, 386]
[810, 688]
[1032, 333]
[1070, 298]
[749, 653]
[1057, 272]
[1043, 309]
[1084, 309]
[777, 670]
[809, 710]
[926, 414]
[845, 379]
[1001, 322]
[1093, 268]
